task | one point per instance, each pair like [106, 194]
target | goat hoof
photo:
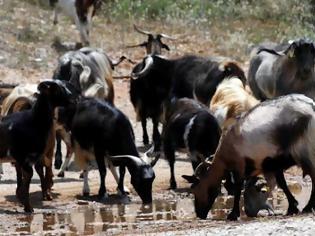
[47, 197]
[86, 194]
[102, 196]
[293, 210]
[307, 209]
[28, 209]
[81, 175]
[124, 192]
[232, 216]
[61, 174]
[173, 186]
[58, 164]
[18, 194]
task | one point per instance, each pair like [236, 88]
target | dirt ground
[26, 56]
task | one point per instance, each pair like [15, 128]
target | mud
[126, 215]
[26, 60]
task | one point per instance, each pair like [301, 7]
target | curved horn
[148, 64]
[166, 36]
[141, 31]
[137, 160]
[120, 60]
[202, 168]
[85, 74]
[144, 44]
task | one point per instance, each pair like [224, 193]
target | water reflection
[96, 218]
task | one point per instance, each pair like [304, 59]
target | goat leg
[310, 170]
[55, 16]
[58, 154]
[170, 155]
[27, 173]
[283, 185]
[19, 179]
[40, 171]
[156, 135]
[121, 188]
[100, 160]
[145, 136]
[235, 213]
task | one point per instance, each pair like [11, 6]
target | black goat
[188, 126]
[24, 135]
[101, 131]
[157, 79]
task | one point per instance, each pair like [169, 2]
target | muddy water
[92, 218]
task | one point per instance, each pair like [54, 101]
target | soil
[26, 57]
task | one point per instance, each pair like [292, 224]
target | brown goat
[270, 138]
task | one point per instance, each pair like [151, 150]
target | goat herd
[247, 138]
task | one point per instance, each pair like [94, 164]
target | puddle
[93, 218]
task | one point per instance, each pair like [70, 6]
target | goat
[157, 79]
[102, 132]
[154, 44]
[25, 134]
[263, 144]
[231, 100]
[188, 126]
[21, 98]
[256, 189]
[273, 73]
[90, 71]
[81, 12]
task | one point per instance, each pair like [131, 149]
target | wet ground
[172, 212]
[29, 59]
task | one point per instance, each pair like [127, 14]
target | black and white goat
[101, 132]
[80, 11]
[25, 134]
[90, 72]
[190, 127]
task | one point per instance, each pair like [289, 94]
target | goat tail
[231, 69]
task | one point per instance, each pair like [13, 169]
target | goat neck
[43, 111]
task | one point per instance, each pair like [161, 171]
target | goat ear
[191, 179]
[44, 87]
[291, 50]
[165, 47]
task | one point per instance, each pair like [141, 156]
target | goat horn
[148, 64]
[137, 45]
[135, 159]
[156, 155]
[141, 31]
[121, 59]
[166, 36]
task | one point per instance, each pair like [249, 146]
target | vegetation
[229, 26]
[291, 18]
